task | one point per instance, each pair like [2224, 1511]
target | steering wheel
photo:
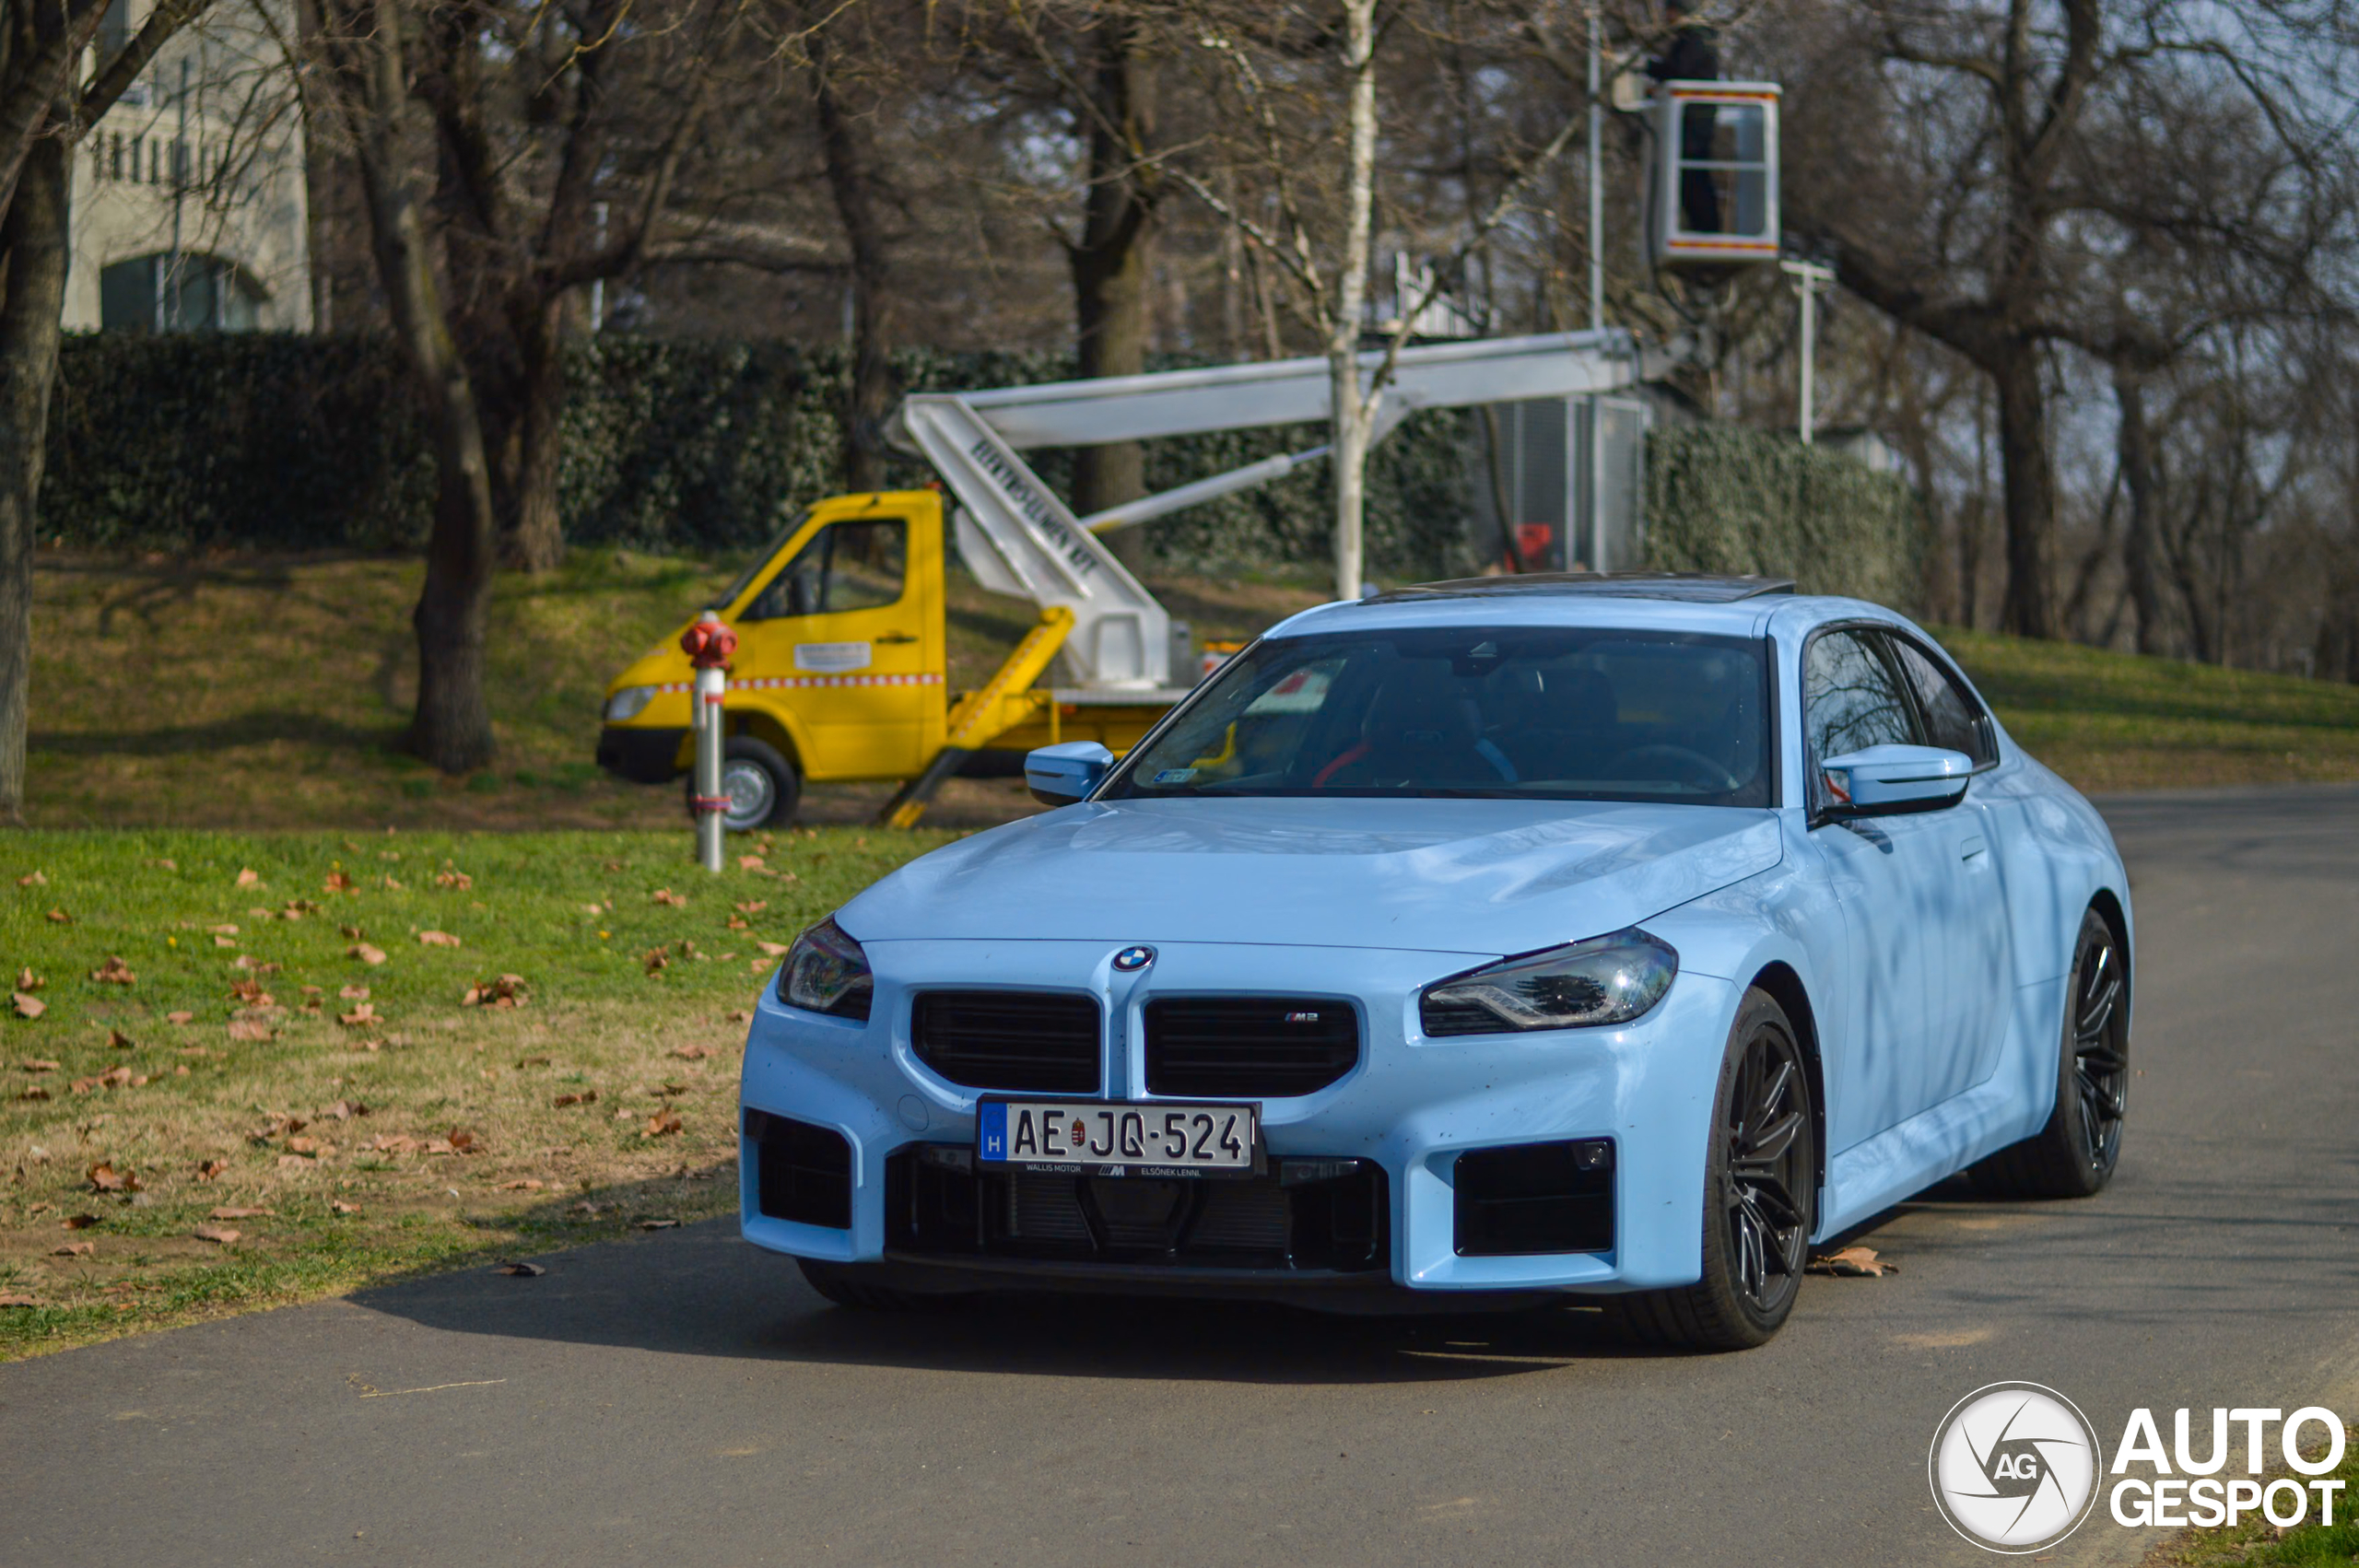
[1719, 777]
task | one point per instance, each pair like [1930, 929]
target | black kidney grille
[1249, 1047]
[1038, 1040]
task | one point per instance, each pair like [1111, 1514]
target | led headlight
[1605, 980]
[826, 972]
[629, 704]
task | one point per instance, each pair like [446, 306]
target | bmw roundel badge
[1131, 960]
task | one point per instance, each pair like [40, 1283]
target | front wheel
[1760, 1198]
[761, 787]
[2075, 1154]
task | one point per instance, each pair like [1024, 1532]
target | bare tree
[47, 105]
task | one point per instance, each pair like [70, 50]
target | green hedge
[267, 442]
[1728, 500]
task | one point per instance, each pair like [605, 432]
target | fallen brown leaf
[665, 896]
[114, 972]
[104, 1178]
[29, 1006]
[338, 882]
[303, 1146]
[750, 862]
[60, 917]
[293, 1162]
[248, 878]
[739, 923]
[360, 1017]
[662, 1124]
[29, 981]
[40, 1065]
[437, 939]
[234, 1213]
[752, 906]
[211, 1169]
[35, 1092]
[464, 1141]
[352, 993]
[251, 1029]
[219, 1235]
[524, 1062]
[120, 1041]
[774, 949]
[587, 1098]
[225, 942]
[32, 879]
[341, 1207]
[655, 958]
[692, 1053]
[78, 1221]
[761, 966]
[17, 1300]
[459, 879]
[75, 1249]
[179, 1017]
[1854, 1262]
[526, 1185]
[367, 953]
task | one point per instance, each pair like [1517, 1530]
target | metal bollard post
[709, 645]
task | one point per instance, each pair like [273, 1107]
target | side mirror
[1058, 776]
[1884, 781]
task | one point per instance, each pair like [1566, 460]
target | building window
[183, 293]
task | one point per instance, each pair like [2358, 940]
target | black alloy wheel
[2075, 1153]
[1760, 1198]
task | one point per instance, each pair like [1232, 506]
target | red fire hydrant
[708, 644]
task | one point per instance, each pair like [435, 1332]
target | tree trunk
[451, 728]
[33, 241]
[2028, 473]
[536, 542]
[1110, 270]
[2141, 571]
[852, 185]
[1353, 411]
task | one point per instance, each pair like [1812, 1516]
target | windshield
[736, 591]
[1507, 712]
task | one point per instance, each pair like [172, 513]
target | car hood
[1455, 876]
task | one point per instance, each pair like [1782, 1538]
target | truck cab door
[844, 635]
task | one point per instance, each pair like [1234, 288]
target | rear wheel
[761, 787]
[1760, 1198]
[2075, 1154]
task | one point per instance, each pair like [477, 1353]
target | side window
[1952, 719]
[1851, 698]
[858, 565]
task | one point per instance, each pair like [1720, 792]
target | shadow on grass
[702, 1291]
[260, 727]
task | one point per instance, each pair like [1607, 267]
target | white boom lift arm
[1018, 538]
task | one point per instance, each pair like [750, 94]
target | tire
[2075, 1153]
[763, 787]
[848, 1285]
[1760, 1198]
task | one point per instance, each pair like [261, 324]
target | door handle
[895, 637]
[1970, 849]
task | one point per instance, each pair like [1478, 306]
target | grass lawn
[272, 1036]
[2114, 721]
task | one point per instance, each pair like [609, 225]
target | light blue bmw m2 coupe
[1479, 943]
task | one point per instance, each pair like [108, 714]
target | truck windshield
[736, 591]
[1506, 712]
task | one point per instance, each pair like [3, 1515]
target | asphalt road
[685, 1399]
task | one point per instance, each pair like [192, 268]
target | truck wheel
[762, 787]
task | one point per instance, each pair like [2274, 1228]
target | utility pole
[1809, 277]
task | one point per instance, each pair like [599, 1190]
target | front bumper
[1401, 1117]
[641, 755]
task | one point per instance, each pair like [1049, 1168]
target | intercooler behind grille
[1249, 1047]
[1044, 1041]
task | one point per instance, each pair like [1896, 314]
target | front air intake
[1535, 1197]
[1249, 1047]
[803, 1173]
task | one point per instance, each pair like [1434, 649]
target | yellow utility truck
[842, 666]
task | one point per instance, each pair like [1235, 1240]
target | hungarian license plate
[1099, 1138]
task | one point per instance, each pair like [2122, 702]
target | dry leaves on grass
[458, 880]
[29, 981]
[35, 1092]
[587, 1098]
[118, 1040]
[114, 972]
[505, 992]
[655, 958]
[113, 1078]
[664, 895]
[228, 1212]
[351, 993]
[75, 1249]
[60, 917]
[338, 882]
[220, 1235]
[78, 1221]
[104, 1178]
[250, 994]
[16, 1299]
[39, 1064]
[1852, 1262]
[180, 1018]
[32, 879]
[249, 877]
[251, 1029]
[693, 1053]
[27, 1005]
[774, 949]
[344, 1110]
[367, 953]
[360, 1017]
[211, 1170]
[662, 1124]
[437, 939]
[341, 1207]
[525, 1185]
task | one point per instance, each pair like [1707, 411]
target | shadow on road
[702, 1291]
